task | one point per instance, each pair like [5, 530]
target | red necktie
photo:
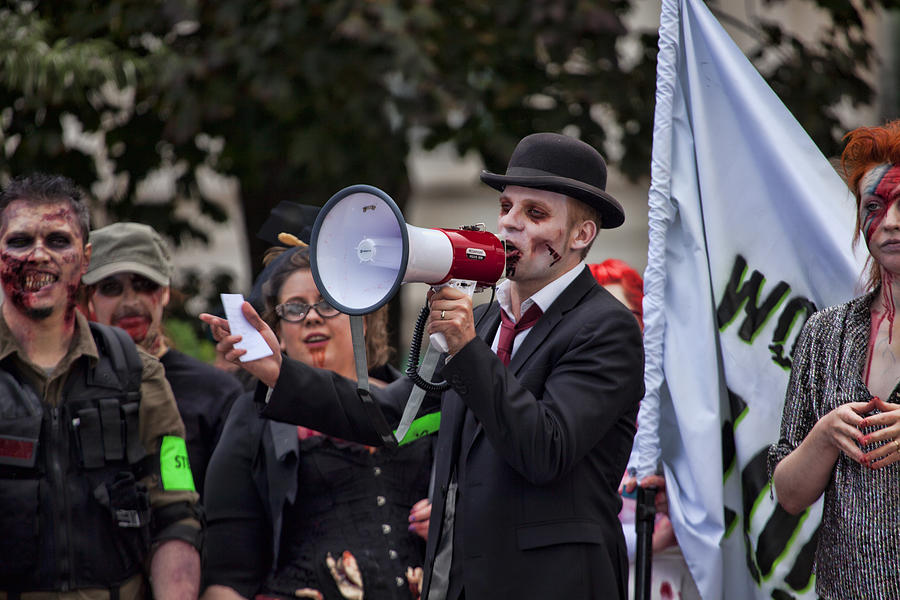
[509, 330]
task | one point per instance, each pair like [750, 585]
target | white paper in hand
[251, 340]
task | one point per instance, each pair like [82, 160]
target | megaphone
[362, 250]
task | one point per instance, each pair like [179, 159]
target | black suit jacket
[541, 463]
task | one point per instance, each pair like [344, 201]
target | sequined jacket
[859, 539]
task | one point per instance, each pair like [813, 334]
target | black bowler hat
[561, 164]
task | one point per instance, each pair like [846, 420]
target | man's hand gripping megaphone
[451, 323]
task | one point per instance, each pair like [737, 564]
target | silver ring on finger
[442, 315]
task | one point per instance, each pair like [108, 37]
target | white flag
[750, 231]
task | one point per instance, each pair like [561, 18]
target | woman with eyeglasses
[292, 513]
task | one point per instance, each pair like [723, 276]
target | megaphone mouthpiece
[478, 256]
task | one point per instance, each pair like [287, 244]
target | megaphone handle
[439, 341]
[466, 285]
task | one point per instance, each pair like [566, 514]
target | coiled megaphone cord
[415, 346]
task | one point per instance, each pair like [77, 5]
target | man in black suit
[536, 430]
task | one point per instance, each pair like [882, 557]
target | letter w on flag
[750, 232]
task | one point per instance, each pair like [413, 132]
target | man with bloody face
[840, 431]
[128, 286]
[90, 438]
[538, 424]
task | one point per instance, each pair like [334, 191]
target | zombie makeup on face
[879, 192]
[43, 257]
[135, 321]
[133, 303]
[534, 225]
[319, 340]
[113, 287]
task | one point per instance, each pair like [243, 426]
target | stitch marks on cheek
[553, 253]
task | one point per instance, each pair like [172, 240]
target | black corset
[352, 499]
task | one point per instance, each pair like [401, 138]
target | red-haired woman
[623, 282]
[840, 431]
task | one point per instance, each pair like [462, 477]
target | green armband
[424, 425]
[174, 467]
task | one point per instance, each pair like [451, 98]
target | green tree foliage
[300, 98]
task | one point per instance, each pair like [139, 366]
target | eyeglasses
[112, 287]
[296, 312]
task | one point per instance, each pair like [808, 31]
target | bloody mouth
[513, 255]
[20, 280]
[34, 281]
[135, 326]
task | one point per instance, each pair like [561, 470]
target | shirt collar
[82, 343]
[544, 297]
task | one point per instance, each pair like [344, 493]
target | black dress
[352, 499]
[278, 505]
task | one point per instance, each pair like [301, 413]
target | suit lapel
[487, 328]
[566, 301]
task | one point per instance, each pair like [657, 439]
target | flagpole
[645, 457]
[646, 453]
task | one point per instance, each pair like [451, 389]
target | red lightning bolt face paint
[879, 192]
[879, 215]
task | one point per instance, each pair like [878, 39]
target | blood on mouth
[317, 356]
[18, 280]
[512, 258]
[34, 281]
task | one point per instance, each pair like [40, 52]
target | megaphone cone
[362, 250]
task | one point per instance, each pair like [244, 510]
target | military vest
[72, 513]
